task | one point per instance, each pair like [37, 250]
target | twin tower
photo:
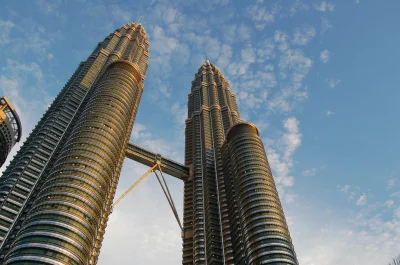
[57, 193]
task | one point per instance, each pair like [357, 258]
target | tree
[396, 261]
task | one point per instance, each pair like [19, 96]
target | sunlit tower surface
[56, 194]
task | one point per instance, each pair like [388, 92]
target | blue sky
[319, 78]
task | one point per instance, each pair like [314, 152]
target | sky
[320, 79]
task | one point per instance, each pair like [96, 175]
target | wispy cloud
[363, 236]
[309, 172]
[391, 183]
[52, 8]
[179, 113]
[5, 29]
[294, 67]
[262, 15]
[389, 203]
[397, 212]
[302, 36]
[48, 7]
[325, 56]
[362, 200]
[329, 113]
[280, 156]
[292, 138]
[333, 82]
[345, 188]
[324, 6]
[326, 24]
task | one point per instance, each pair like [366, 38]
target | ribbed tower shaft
[212, 111]
[232, 212]
[59, 218]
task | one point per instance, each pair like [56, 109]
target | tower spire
[141, 18]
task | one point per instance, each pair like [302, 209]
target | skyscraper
[10, 128]
[232, 212]
[57, 193]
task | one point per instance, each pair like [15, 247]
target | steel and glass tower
[56, 194]
[232, 212]
[10, 128]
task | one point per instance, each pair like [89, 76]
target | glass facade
[232, 212]
[212, 110]
[56, 194]
[259, 231]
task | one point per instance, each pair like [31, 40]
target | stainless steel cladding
[57, 193]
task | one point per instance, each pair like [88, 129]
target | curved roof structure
[12, 116]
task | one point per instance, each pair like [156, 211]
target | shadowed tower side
[220, 226]
[212, 110]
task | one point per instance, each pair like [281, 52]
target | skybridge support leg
[164, 188]
[135, 184]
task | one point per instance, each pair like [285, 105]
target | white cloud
[292, 142]
[24, 69]
[280, 168]
[142, 226]
[225, 56]
[391, 183]
[244, 32]
[293, 68]
[262, 15]
[5, 29]
[333, 82]
[309, 172]
[389, 203]
[164, 91]
[280, 36]
[280, 153]
[326, 24]
[179, 113]
[329, 113]
[169, 15]
[345, 188]
[325, 56]
[162, 43]
[397, 212]
[139, 132]
[48, 7]
[324, 6]
[248, 55]
[304, 35]
[362, 236]
[266, 53]
[362, 200]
